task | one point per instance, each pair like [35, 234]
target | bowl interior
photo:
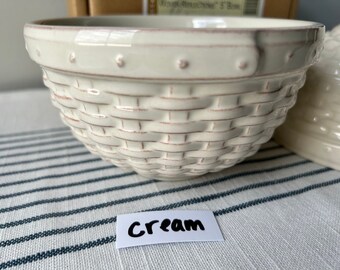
[166, 22]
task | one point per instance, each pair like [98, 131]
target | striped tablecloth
[58, 204]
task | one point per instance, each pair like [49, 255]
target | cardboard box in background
[265, 8]
[206, 7]
[280, 9]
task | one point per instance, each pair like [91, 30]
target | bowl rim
[56, 23]
[182, 54]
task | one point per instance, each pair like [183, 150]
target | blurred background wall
[17, 71]
[324, 11]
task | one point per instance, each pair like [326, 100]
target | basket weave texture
[173, 131]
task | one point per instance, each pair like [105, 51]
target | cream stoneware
[312, 128]
[173, 97]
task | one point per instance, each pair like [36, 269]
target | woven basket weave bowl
[173, 97]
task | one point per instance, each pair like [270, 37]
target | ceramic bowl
[173, 97]
[312, 129]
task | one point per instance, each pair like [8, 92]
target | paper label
[156, 227]
[206, 7]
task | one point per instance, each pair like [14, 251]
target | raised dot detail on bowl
[182, 63]
[120, 60]
[289, 56]
[242, 65]
[72, 57]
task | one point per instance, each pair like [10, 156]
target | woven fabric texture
[58, 204]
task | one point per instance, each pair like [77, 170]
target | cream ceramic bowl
[173, 97]
[312, 129]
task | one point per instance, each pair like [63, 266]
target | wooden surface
[280, 8]
[99, 7]
[77, 8]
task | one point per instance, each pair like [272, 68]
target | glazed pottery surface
[312, 128]
[173, 97]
